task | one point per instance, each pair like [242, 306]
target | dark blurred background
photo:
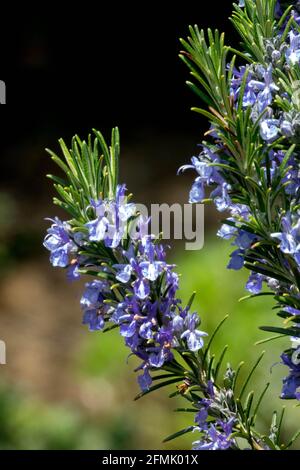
[65, 73]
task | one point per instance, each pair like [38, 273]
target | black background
[114, 61]
[97, 64]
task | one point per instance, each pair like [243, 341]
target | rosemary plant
[251, 156]
[134, 289]
[250, 161]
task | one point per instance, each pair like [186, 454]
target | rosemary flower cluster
[251, 162]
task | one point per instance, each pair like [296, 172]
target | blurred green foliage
[29, 424]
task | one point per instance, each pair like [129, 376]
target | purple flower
[197, 193]
[291, 384]
[97, 229]
[92, 304]
[145, 380]
[157, 359]
[208, 174]
[221, 197]
[146, 267]
[227, 231]
[264, 89]
[259, 88]
[254, 284]
[124, 272]
[216, 437]
[293, 52]
[128, 329]
[240, 212]
[151, 268]
[244, 239]
[91, 295]
[202, 416]
[129, 317]
[193, 337]
[141, 288]
[73, 273]
[111, 219]
[93, 318]
[290, 236]
[59, 243]
[236, 260]
[249, 97]
[269, 129]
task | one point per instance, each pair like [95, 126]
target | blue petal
[197, 193]
[145, 380]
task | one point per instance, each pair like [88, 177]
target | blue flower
[157, 359]
[202, 416]
[97, 229]
[227, 231]
[216, 437]
[151, 267]
[124, 272]
[146, 266]
[290, 236]
[93, 318]
[92, 304]
[236, 260]
[269, 129]
[151, 270]
[141, 288]
[197, 193]
[193, 337]
[264, 89]
[244, 239]
[293, 52]
[291, 384]
[208, 174]
[59, 243]
[254, 284]
[258, 89]
[145, 380]
[73, 273]
[221, 197]
[249, 97]
[111, 219]
[91, 295]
